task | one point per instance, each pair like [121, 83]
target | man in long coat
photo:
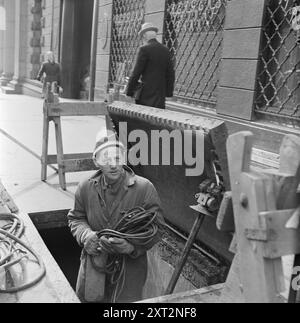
[99, 203]
[154, 68]
[50, 72]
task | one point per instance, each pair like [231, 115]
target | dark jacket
[88, 216]
[52, 72]
[155, 68]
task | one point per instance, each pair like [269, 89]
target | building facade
[237, 60]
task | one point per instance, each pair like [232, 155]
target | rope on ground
[139, 228]
[13, 251]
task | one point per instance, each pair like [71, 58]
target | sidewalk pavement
[21, 124]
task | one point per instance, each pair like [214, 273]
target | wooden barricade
[68, 162]
[266, 211]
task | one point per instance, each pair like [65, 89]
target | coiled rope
[139, 228]
[11, 252]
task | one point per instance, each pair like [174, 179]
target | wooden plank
[281, 241]
[290, 162]
[255, 271]
[290, 154]
[235, 46]
[60, 153]
[233, 290]
[225, 219]
[238, 73]
[45, 144]
[79, 165]
[252, 193]
[240, 157]
[244, 14]
[77, 108]
[52, 159]
[236, 102]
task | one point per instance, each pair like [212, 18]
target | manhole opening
[199, 271]
[53, 229]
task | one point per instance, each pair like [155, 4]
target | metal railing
[278, 91]
[194, 35]
[128, 17]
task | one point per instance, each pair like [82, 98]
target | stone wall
[50, 27]
[103, 48]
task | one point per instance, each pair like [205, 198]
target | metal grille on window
[194, 34]
[278, 91]
[128, 17]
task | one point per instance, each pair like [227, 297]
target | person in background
[154, 69]
[50, 72]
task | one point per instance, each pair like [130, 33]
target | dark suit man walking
[154, 68]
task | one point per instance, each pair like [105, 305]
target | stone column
[20, 45]
[103, 48]
[240, 58]
[69, 48]
[9, 43]
[155, 13]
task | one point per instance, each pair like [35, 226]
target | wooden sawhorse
[266, 211]
[68, 162]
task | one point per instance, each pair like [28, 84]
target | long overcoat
[52, 72]
[154, 67]
[89, 215]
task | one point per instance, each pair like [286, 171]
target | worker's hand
[105, 245]
[121, 246]
[91, 245]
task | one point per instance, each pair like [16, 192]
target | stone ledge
[54, 287]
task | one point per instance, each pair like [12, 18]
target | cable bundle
[10, 252]
[138, 227]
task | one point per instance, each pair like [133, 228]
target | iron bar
[185, 253]
[194, 35]
[127, 19]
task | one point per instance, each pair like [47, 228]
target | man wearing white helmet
[154, 69]
[99, 203]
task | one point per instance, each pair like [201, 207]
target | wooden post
[263, 204]
[60, 153]
[45, 143]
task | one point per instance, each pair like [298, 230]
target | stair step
[32, 89]
[8, 90]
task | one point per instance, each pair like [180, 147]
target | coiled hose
[139, 228]
[11, 253]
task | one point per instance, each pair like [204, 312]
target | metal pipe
[94, 51]
[185, 253]
[206, 253]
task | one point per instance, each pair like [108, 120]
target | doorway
[77, 19]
